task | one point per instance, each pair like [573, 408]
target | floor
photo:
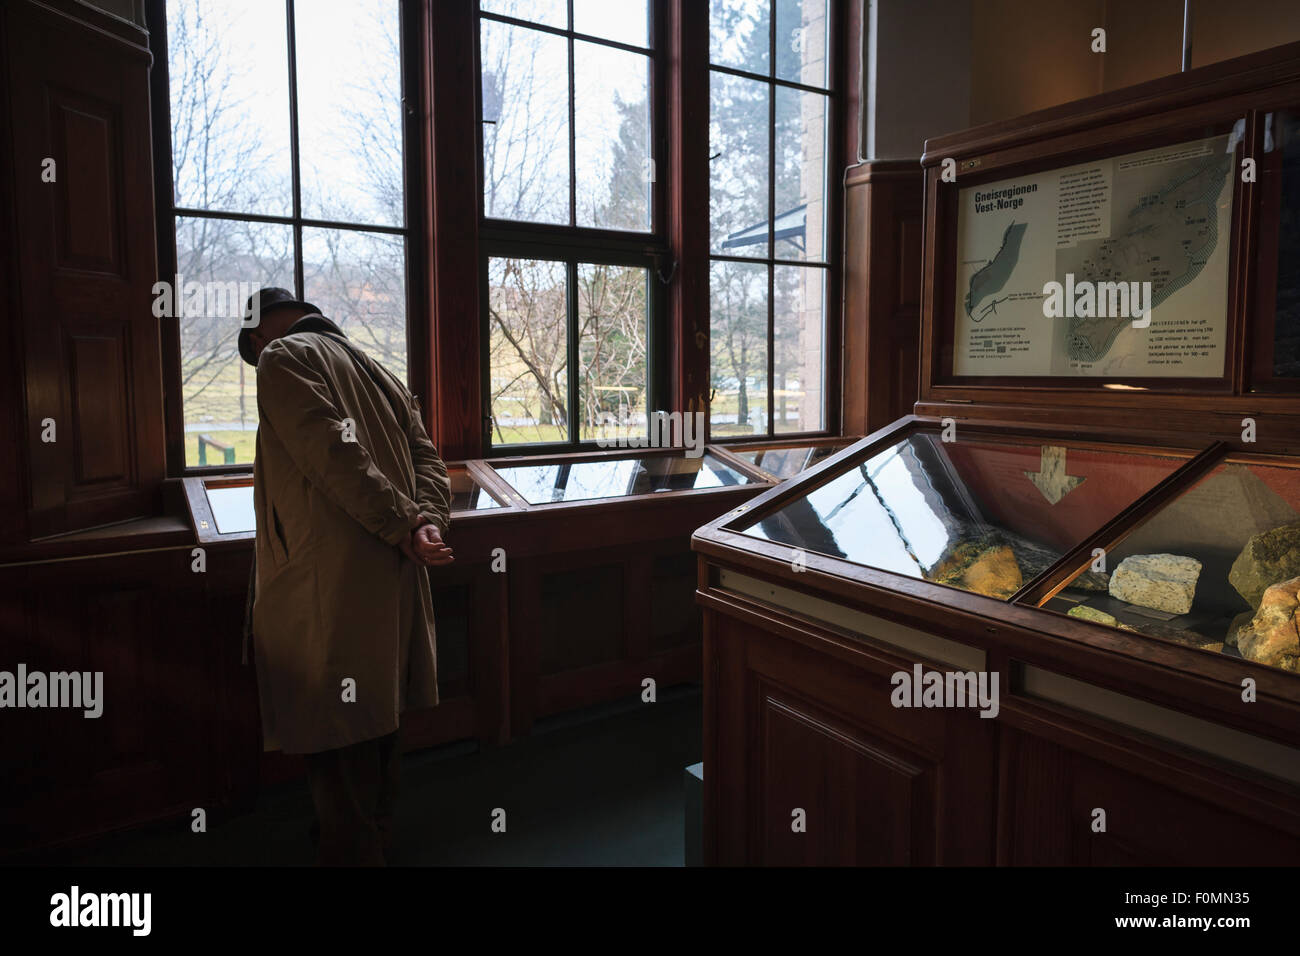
[602, 787]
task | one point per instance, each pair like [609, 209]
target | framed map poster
[1115, 268]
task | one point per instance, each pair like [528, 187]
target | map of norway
[1169, 234]
[990, 280]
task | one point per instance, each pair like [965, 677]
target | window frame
[831, 262]
[573, 244]
[166, 212]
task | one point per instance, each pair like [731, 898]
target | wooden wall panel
[84, 326]
[882, 286]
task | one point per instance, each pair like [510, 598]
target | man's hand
[425, 546]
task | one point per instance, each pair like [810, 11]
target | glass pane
[982, 516]
[799, 355]
[614, 478]
[800, 175]
[626, 21]
[528, 363]
[552, 13]
[801, 41]
[740, 34]
[1286, 317]
[738, 165]
[220, 264]
[612, 373]
[467, 494]
[229, 91]
[232, 506]
[525, 89]
[612, 130]
[1217, 568]
[358, 279]
[783, 463]
[350, 110]
[738, 343]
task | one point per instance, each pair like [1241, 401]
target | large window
[287, 165]
[770, 108]
[570, 242]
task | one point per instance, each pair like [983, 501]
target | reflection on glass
[738, 343]
[349, 66]
[800, 225]
[232, 508]
[738, 165]
[740, 34]
[797, 330]
[467, 494]
[981, 516]
[525, 98]
[229, 92]
[1286, 319]
[783, 463]
[614, 478]
[1217, 568]
[611, 137]
[224, 261]
[528, 362]
[612, 311]
[358, 279]
[801, 41]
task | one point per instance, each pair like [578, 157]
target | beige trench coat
[335, 599]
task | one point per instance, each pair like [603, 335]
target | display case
[778, 461]
[600, 478]
[1051, 617]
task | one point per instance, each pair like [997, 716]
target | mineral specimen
[1086, 613]
[1267, 558]
[1165, 582]
[1272, 637]
[985, 566]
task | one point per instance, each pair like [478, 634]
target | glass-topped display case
[783, 461]
[982, 515]
[616, 477]
[1190, 545]
[1216, 567]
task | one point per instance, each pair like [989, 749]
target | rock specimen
[1165, 582]
[1083, 612]
[1267, 558]
[985, 566]
[1272, 638]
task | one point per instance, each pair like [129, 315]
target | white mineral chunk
[1165, 582]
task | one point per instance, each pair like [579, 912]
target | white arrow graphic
[1051, 478]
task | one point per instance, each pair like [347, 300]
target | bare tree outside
[230, 154]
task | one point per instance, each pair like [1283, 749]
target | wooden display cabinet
[1105, 545]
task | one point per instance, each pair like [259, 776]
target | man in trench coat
[352, 502]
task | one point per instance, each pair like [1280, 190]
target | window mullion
[771, 224]
[571, 309]
[294, 173]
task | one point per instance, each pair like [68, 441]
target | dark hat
[269, 298]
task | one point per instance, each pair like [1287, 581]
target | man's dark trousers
[353, 788]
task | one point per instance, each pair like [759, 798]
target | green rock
[1268, 557]
[1083, 612]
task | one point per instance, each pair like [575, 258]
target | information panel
[1115, 268]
